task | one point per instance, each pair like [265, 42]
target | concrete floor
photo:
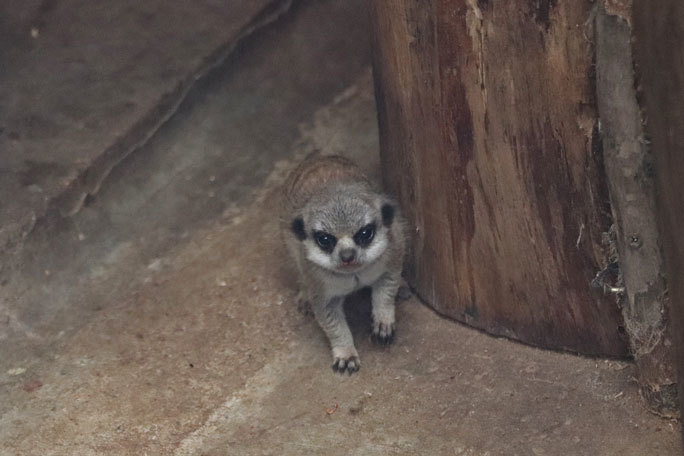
[160, 319]
[84, 83]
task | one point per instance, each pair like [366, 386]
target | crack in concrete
[89, 182]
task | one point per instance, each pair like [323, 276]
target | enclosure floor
[160, 319]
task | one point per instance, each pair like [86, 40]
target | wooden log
[489, 138]
[659, 56]
[629, 172]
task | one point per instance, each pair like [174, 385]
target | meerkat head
[343, 233]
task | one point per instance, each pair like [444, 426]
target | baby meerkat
[343, 235]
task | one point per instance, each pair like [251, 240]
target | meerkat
[343, 235]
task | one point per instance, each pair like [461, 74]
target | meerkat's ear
[387, 211]
[298, 228]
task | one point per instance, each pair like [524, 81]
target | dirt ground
[160, 319]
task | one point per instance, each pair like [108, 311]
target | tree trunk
[490, 139]
[659, 34]
[629, 171]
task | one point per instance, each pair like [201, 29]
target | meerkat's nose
[347, 255]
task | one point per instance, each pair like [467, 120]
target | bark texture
[658, 34]
[630, 174]
[489, 138]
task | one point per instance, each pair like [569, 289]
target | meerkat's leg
[383, 296]
[330, 315]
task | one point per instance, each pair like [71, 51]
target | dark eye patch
[387, 214]
[365, 235]
[325, 241]
[298, 228]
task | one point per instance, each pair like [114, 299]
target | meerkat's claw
[383, 333]
[348, 365]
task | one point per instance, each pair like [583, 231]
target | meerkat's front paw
[346, 359]
[383, 333]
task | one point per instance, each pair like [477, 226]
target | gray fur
[331, 195]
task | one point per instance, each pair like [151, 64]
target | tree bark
[658, 38]
[489, 138]
[629, 170]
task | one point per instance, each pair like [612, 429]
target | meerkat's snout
[347, 256]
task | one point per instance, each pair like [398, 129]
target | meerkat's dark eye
[365, 235]
[325, 241]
